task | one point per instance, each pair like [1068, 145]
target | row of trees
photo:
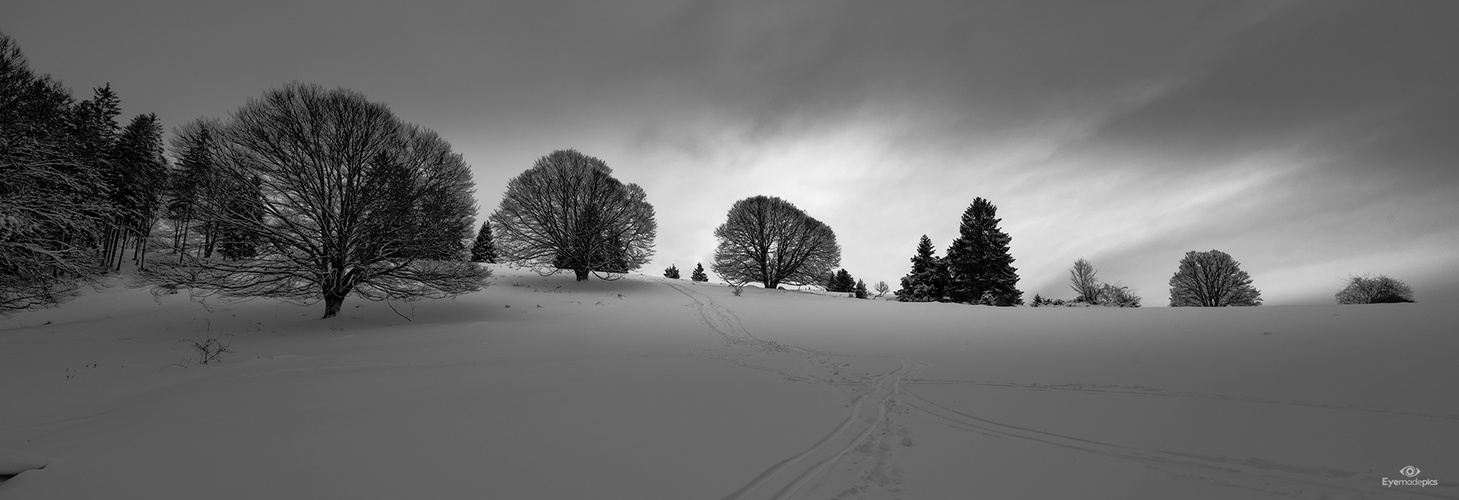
[76, 188]
[304, 194]
[310, 194]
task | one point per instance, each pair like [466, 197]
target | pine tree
[484, 250]
[860, 290]
[51, 202]
[188, 180]
[980, 267]
[699, 273]
[672, 272]
[840, 281]
[94, 129]
[138, 182]
[928, 279]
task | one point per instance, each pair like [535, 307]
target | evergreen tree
[699, 273]
[672, 272]
[94, 131]
[484, 250]
[928, 279]
[193, 146]
[860, 290]
[51, 203]
[138, 183]
[979, 266]
[841, 281]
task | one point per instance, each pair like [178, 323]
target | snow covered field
[648, 388]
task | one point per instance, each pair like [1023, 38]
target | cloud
[1303, 137]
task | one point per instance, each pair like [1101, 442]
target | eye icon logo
[1409, 471]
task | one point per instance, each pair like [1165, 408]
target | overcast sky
[1310, 140]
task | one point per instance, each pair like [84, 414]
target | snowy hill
[542, 387]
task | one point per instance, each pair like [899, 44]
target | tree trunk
[181, 245]
[121, 250]
[141, 254]
[582, 274]
[332, 302]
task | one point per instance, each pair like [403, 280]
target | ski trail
[728, 325]
[1222, 469]
[817, 471]
[798, 475]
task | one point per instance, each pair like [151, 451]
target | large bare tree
[769, 240]
[333, 195]
[568, 212]
[1211, 279]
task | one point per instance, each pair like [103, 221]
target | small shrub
[209, 350]
[1380, 290]
[1116, 296]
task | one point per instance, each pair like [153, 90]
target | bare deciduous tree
[1211, 279]
[769, 240]
[1082, 280]
[881, 289]
[1380, 290]
[568, 212]
[344, 198]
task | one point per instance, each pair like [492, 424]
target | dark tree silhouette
[568, 212]
[769, 240]
[980, 267]
[138, 185]
[1211, 279]
[353, 200]
[699, 274]
[841, 281]
[1380, 290]
[483, 249]
[860, 290]
[53, 204]
[191, 181]
[672, 272]
[928, 280]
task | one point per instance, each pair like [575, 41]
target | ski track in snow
[798, 475]
[1252, 473]
[808, 472]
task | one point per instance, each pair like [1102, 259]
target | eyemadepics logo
[1409, 471]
